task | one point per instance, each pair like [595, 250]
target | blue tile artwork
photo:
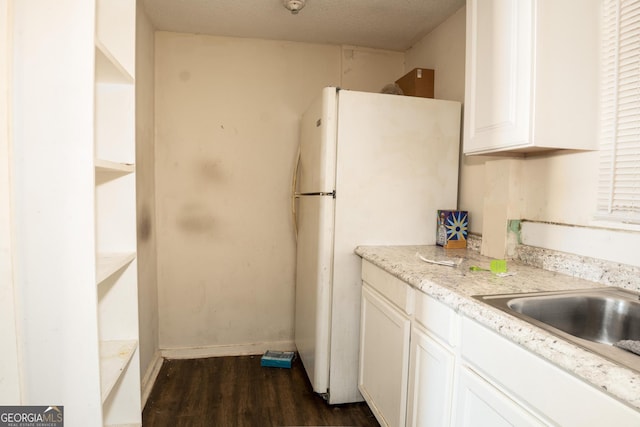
[452, 229]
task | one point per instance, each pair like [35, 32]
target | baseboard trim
[150, 377]
[225, 350]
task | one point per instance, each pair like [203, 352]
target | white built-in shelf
[114, 358]
[108, 68]
[109, 263]
[106, 166]
[114, 200]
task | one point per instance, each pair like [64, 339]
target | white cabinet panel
[499, 58]
[480, 404]
[527, 378]
[531, 84]
[393, 289]
[439, 319]
[384, 358]
[430, 381]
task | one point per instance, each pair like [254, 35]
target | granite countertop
[454, 286]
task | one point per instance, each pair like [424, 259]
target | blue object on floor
[277, 359]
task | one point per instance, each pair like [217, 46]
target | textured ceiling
[382, 24]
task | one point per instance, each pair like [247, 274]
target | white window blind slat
[619, 171]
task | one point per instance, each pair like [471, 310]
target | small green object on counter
[498, 266]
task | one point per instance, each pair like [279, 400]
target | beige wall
[145, 190]
[560, 187]
[369, 70]
[227, 112]
[444, 51]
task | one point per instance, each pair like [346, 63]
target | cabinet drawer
[395, 290]
[437, 318]
[531, 379]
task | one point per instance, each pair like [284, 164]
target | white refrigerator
[372, 170]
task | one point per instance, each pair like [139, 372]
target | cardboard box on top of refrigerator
[452, 228]
[417, 82]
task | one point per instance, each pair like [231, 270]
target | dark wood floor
[238, 392]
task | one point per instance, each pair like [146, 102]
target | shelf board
[114, 358]
[106, 166]
[108, 68]
[109, 263]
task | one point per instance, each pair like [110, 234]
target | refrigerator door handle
[319, 193]
[294, 195]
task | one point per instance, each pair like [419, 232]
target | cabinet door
[478, 403]
[430, 381]
[384, 358]
[499, 86]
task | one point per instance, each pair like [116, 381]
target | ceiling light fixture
[294, 5]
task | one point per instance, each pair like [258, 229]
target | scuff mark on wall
[209, 170]
[195, 218]
[144, 224]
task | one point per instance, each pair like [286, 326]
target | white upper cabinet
[531, 75]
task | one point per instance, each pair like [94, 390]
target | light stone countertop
[454, 286]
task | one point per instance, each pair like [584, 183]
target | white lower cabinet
[384, 358]
[423, 364]
[548, 391]
[430, 381]
[478, 403]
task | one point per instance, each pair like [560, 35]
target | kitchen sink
[594, 319]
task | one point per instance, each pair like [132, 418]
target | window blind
[619, 186]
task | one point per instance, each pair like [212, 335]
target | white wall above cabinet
[531, 75]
